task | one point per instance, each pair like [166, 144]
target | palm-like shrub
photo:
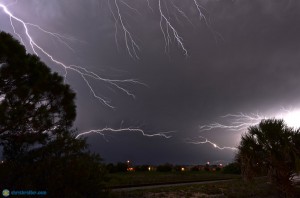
[273, 146]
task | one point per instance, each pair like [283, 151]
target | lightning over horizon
[111, 130]
[82, 71]
[183, 76]
[130, 43]
[240, 122]
[206, 141]
[237, 122]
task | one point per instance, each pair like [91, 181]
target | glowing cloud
[291, 118]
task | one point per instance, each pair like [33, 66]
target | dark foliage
[142, 168]
[271, 146]
[62, 169]
[37, 111]
[207, 167]
[195, 168]
[180, 168]
[165, 168]
[36, 106]
[232, 168]
[115, 168]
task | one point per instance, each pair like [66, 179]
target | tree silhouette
[37, 111]
[35, 104]
[274, 146]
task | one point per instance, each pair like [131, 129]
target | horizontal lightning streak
[237, 122]
[206, 141]
[111, 130]
[242, 121]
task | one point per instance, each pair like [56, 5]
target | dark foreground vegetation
[40, 151]
[37, 110]
[271, 148]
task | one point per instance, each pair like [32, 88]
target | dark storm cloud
[254, 68]
[245, 60]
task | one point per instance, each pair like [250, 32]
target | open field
[128, 179]
[236, 188]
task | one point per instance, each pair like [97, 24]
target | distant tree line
[232, 168]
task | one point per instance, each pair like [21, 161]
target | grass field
[233, 188]
[237, 188]
[147, 178]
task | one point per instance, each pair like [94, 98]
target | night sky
[242, 64]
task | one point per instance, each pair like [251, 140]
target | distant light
[221, 164]
[149, 168]
[128, 161]
[292, 118]
[182, 169]
[207, 163]
[130, 169]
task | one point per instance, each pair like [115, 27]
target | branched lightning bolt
[116, 7]
[130, 7]
[181, 12]
[199, 7]
[169, 27]
[149, 5]
[237, 122]
[131, 45]
[83, 72]
[206, 141]
[116, 23]
[241, 121]
[138, 130]
[59, 37]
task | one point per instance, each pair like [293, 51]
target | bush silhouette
[37, 111]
